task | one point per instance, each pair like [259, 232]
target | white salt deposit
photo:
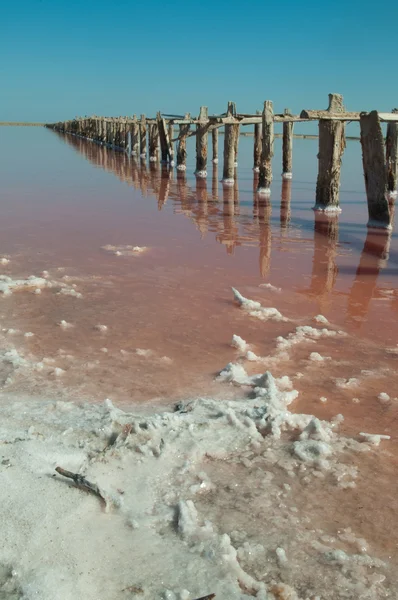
[58, 372]
[102, 328]
[4, 261]
[169, 480]
[66, 291]
[9, 285]
[65, 325]
[255, 309]
[316, 357]
[304, 333]
[384, 398]
[347, 383]
[28, 334]
[143, 352]
[271, 287]
[323, 399]
[239, 343]
[125, 250]
[374, 438]
[321, 319]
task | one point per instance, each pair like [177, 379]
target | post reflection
[232, 225]
[286, 211]
[374, 258]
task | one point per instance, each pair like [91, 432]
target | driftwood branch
[80, 481]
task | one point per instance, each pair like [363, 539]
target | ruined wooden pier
[155, 138]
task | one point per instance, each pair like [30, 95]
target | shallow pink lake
[156, 326]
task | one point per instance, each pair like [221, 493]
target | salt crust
[125, 250]
[152, 472]
[35, 284]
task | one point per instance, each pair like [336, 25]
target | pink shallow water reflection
[63, 199]
[58, 212]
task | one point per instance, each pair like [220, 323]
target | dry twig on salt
[209, 597]
[82, 482]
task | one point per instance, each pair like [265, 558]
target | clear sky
[62, 58]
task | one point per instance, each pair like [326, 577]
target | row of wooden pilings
[144, 136]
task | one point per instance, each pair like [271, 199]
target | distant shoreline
[20, 124]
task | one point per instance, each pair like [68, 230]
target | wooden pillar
[331, 148]
[214, 140]
[392, 157]
[236, 143]
[153, 137]
[258, 134]
[135, 137]
[202, 142]
[166, 148]
[267, 150]
[170, 133]
[287, 148]
[143, 137]
[229, 147]
[182, 145]
[374, 168]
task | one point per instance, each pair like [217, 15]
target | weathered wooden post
[116, 136]
[229, 147]
[258, 134]
[202, 142]
[165, 145]
[374, 168]
[135, 137]
[392, 156]
[331, 148]
[170, 133]
[182, 144]
[267, 150]
[214, 141]
[287, 147]
[153, 135]
[236, 143]
[143, 137]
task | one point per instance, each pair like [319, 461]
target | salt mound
[125, 250]
[254, 309]
[239, 343]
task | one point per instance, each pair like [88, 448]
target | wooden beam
[374, 168]
[392, 156]
[265, 176]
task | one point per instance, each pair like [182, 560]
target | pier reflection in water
[334, 283]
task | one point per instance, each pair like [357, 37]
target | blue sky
[64, 58]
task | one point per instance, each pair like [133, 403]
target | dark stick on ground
[80, 481]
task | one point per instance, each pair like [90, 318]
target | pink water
[64, 199]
